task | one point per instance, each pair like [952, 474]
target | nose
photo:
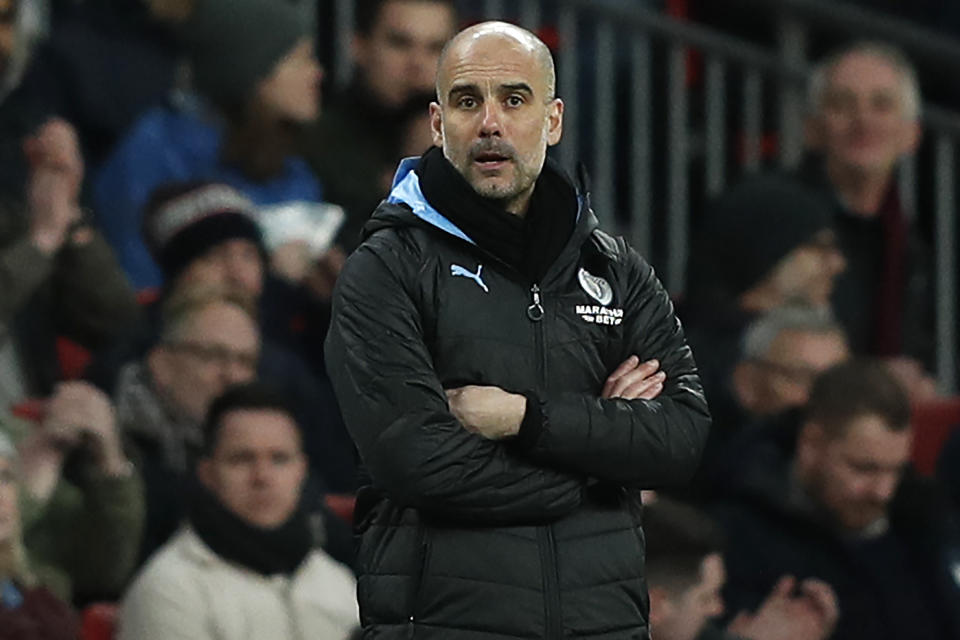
[883, 487]
[490, 125]
[262, 470]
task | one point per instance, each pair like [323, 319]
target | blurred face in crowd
[783, 378]
[257, 467]
[681, 616]
[292, 91]
[214, 347]
[399, 55]
[863, 123]
[809, 272]
[497, 113]
[9, 510]
[235, 265]
[854, 474]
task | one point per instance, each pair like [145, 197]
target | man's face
[684, 615]
[809, 272]
[863, 124]
[399, 56]
[855, 475]
[782, 380]
[235, 265]
[257, 467]
[217, 346]
[496, 117]
[9, 510]
[292, 90]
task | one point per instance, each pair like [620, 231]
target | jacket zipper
[545, 539]
[423, 550]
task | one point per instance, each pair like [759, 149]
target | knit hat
[748, 230]
[184, 221]
[234, 44]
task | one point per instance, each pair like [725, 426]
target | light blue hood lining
[406, 190]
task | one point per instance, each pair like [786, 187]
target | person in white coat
[243, 565]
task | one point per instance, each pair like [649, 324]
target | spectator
[395, 49]
[864, 118]
[783, 351]
[243, 566]
[57, 275]
[766, 243]
[208, 342]
[27, 608]
[203, 235]
[833, 502]
[253, 65]
[103, 65]
[685, 573]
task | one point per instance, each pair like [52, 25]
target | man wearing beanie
[243, 565]
[257, 81]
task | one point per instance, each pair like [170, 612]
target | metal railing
[657, 145]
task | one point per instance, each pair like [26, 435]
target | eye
[467, 102]
[515, 100]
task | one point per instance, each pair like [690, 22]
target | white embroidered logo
[457, 270]
[596, 287]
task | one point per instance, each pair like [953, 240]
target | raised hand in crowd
[793, 611]
[78, 416]
[56, 175]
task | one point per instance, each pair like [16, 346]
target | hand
[79, 414]
[916, 382]
[634, 380]
[326, 269]
[489, 412]
[811, 615]
[56, 174]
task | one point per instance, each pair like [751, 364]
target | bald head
[479, 35]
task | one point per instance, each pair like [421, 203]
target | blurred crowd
[175, 206]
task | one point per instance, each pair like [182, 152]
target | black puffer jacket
[465, 538]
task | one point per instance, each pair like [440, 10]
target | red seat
[99, 621]
[341, 505]
[933, 421]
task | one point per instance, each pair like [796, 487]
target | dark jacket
[538, 537]
[900, 584]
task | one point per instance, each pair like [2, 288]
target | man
[865, 117]
[832, 502]
[208, 342]
[244, 565]
[357, 139]
[511, 375]
[685, 572]
[783, 352]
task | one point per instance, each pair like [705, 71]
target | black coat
[466, 538]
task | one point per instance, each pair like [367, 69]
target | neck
[520, 205]
[861, 191]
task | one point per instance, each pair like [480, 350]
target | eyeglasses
[215, 354]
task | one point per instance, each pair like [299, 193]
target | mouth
[490, 160]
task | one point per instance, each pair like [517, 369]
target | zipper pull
[535, 310]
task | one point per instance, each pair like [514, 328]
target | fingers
[823, 598]
[784, 587]
[633, 379]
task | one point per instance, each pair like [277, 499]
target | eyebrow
[459, 89]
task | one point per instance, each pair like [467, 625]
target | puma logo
[457, 270]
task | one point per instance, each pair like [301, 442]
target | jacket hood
[407, 206]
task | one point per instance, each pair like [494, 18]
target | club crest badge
[597, 288]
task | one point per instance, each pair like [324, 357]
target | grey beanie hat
[234, 44]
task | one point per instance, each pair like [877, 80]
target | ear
[811, 441]
[913, 137]
[554, 121]
[205, 473]
[744, 387]
[661, 608]
[436, 124]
